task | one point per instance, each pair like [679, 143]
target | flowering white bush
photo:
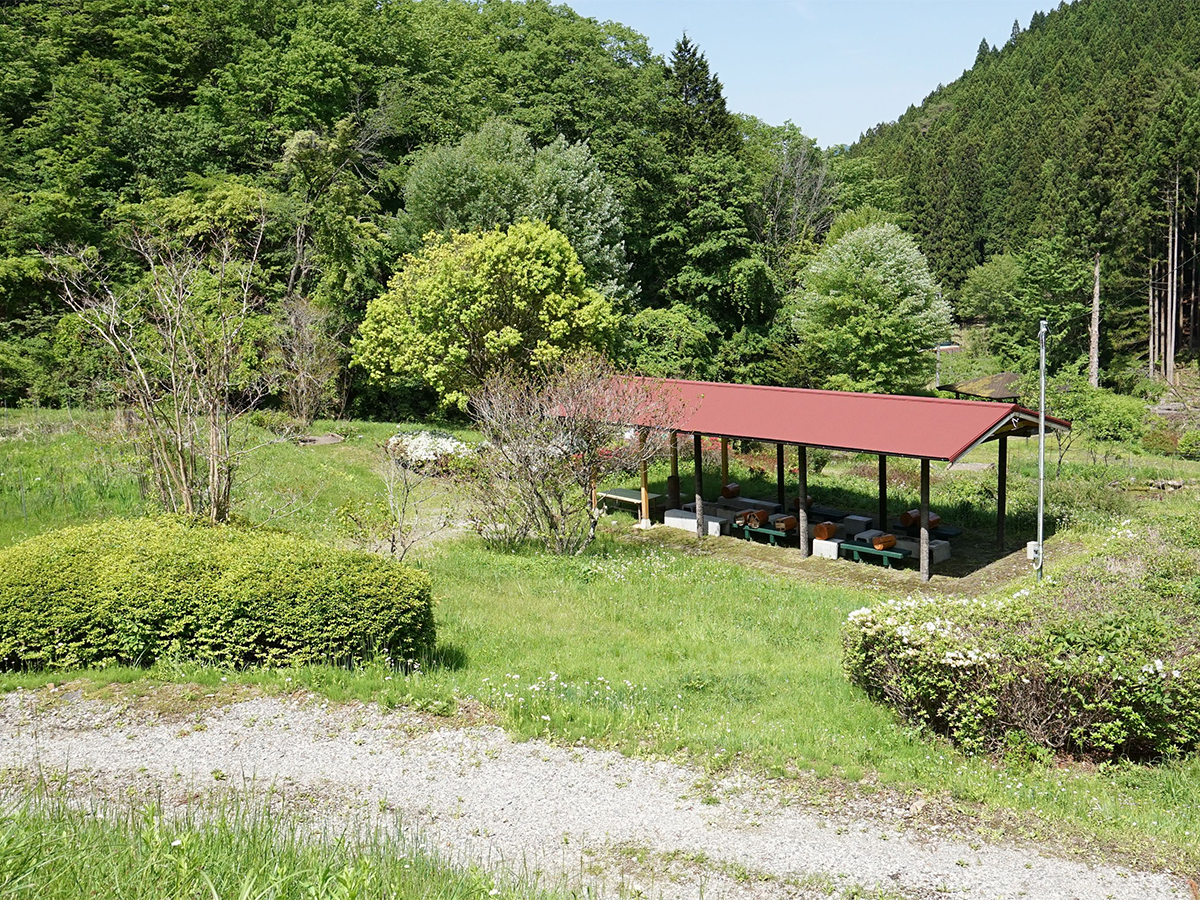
[985, 670]
[420, 448]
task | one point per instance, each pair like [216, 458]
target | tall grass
[50, 850]
[58, 470]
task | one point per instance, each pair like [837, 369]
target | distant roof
[919, 427]
[1002, 386]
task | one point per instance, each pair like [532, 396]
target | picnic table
[626, 495]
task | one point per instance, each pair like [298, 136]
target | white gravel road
[577, 816]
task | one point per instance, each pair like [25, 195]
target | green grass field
[649, 647]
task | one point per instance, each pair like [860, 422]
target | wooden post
[645, 481]
[924, 520]
[781, 494]
[802, 505]
[883, 516]
[724, 461]
[673, 498]
[1001, 490]
[698, 456]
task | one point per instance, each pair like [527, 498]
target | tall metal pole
[1041, 555]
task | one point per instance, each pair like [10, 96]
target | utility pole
[1041, 554]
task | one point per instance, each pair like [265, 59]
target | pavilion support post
[883, 516]
[802, 505]
[924, 520]
[698, 456]
[780, 493]
[645, 498]
[724, 461]
[1001, 490]
[673, 499]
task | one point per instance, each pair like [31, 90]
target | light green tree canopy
[495, 177]
[468, 304]
[867, 313]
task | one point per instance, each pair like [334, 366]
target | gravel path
[574, 816]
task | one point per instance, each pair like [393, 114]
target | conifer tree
[696, 116]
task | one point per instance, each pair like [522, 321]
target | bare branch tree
[189, 339]
[413, 508]
[797, 200]
[551, 438]
[310, 359]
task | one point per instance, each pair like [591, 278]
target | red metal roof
[921, 427]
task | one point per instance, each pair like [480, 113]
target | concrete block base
[827, 549]
[857, 524]
[939, 551]
[686, 521]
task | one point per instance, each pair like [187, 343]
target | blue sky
[834, 67]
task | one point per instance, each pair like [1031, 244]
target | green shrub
[991, 674]
[1161, 439]
[133, 590]
[275, 421]
[1189, 445]
[1104, 663]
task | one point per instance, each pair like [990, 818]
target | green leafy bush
[276, 421]
[1104, 664]
[1161, 439]
[131, 591]
[1189, 445]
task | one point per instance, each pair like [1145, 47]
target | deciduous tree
[867, 315]
[471, 304]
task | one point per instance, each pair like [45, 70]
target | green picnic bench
[858, 550]
[774, 535]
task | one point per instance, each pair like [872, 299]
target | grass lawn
[657, 650]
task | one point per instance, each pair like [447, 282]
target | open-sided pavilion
[923, 428]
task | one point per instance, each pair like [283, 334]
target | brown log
[825, 531]
[785, 523]
[912, 517]
[731, 490]
[883, 541]
[755, 518]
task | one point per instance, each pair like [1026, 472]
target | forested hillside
[1070, 153]
[341, 153]
[355, 127]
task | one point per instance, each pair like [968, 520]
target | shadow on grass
[448, 656]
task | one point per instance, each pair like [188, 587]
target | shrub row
[131, 591]
[991, 680]
[1104, 664]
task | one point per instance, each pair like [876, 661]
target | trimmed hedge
[1103, 664]
[130, 591]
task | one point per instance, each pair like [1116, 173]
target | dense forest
[360, 144]
[1063, 164]
[360, 126]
